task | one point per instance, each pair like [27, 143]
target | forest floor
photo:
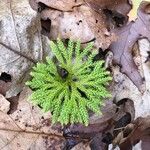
[120, 30]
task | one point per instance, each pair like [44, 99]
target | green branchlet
[72, 86]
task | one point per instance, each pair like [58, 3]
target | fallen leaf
[61, 5]
[20, 42]
[4, 87]
[140, 131]
[135, 5]
[87, 133]
[84, 23]
[28, 128]
[98, 26]
[122, 49]
[147, 9]
[117, 140]
[97, 142]
[81, 146]
[145, 143]
[124, 88]
[120, 6]
[4, 104]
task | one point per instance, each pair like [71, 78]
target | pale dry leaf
[133, 13]
[97, 23]
[81, 146]
[28, 128]
[82, 23]
[20, 41]
[117, 140]
[4, 104]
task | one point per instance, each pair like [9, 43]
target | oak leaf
[122, 49]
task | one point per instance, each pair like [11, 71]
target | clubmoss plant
[72, 85]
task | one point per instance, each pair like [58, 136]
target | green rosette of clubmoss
[72, 85]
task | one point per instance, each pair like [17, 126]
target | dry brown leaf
[82, 23]
[141, 130]
[62, 5]
[97, 143]
[117, 140]
[147, 9]
[28, 128]
[121, 6]
[126, 89]
[97, 24]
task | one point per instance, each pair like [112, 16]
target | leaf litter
[97, 21]
[122, 49]
[30, 125]
[84, 24]
[20, 42]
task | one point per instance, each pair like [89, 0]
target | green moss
[72, 86]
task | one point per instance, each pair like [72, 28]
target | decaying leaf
[140, 130]
[28, 128]
[122, 49]
[82, 22]
[4, 104]
[81, 146]
[61, 5]
[20, 41]
[124, 88]
[99, 143]
[147, 9]
[120, 6]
